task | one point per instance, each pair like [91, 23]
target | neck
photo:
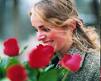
[62, 52]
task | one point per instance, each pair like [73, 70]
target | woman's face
[59, 38]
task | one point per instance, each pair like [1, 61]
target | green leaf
[62, 72]
[3, 64]
[2, 72]
[50, 75]
[32, 73]
[12, 61]
[5, 79]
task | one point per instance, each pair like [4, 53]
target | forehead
[36, 21]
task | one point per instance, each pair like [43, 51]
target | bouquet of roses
[39, 66]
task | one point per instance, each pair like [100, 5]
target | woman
[57, 24]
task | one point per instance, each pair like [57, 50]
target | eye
[46, 29]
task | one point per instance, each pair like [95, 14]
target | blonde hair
[59, 11]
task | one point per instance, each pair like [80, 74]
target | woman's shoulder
[89, 68]
[90, 58]
[93, 58]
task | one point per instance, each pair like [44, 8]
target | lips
[48, 42]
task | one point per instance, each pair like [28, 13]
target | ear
[70, 23]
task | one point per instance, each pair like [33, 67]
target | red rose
[16, 73]
[11, 47]
[41, 56]
[71, 62]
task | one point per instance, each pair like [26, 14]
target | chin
[56, 49]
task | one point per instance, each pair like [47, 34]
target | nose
[41, 36]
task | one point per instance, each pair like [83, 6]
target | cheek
[54, 36]
[58, 38]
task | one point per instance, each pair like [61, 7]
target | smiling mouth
[48, 42]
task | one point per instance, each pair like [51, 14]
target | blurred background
[15, 21]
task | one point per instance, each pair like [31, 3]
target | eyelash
[46, 29]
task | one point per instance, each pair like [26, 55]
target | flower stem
[64, 77]
[25, 47]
